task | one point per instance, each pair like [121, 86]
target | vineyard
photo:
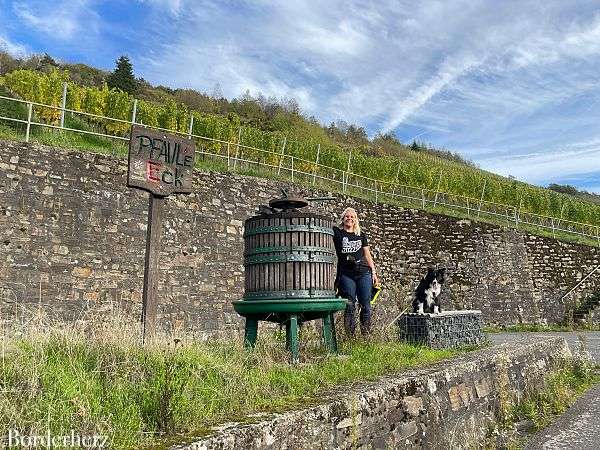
[322, 159]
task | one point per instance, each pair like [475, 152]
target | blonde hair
[356, 229]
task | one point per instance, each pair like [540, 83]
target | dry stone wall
[73, 242]
[451, 405]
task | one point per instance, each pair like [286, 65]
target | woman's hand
[371, 264]
[375, 279]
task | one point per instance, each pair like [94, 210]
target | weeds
[562, 389]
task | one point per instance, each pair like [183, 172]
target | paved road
[579, 427]
[590, 339]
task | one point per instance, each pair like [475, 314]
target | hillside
[571, 190]
[278, 127]
[267, 114]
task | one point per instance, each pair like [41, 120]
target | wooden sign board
[162, 164]
[159, 162]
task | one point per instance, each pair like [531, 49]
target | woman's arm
[371, 264]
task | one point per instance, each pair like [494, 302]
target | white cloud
[228, 68]
[447, 74]
[342, 39]
[539, 167]
[172, 6]
[580, 41]
[12, 48]
[63, 20]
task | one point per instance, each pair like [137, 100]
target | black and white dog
[427, 294]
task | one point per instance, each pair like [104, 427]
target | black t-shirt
[350, 252]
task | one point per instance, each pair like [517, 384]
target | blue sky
[513, 85]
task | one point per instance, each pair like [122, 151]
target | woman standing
[356, 270]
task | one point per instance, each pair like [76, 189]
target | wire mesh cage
[444, 330]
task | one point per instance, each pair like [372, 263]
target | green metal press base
[291, 313]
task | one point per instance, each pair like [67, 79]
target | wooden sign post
[161, 164]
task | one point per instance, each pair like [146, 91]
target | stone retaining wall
[449, 405]
[73, 240]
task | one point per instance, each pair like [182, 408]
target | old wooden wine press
[290, 264]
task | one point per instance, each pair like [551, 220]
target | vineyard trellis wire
[238, 155]
[411, 168]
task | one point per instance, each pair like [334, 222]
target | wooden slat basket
[289, 255]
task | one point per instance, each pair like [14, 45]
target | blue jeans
[358, 287]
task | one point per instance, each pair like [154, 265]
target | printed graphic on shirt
[350, 246]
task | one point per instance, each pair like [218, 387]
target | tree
[8, 63]
[122, 77]
[217, 93]
[563, 188]
[388, 143]
[47, 63]
[356, 135]
[86, 75]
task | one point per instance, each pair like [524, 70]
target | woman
[356, 270]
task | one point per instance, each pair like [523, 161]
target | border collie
[427, 294]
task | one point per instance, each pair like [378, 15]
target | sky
[513, 86]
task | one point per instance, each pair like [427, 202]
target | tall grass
[100, 380]
[562, 389]
[539, 328]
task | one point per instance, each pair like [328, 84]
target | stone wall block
[71, 215]
[459, 420]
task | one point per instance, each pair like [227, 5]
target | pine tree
[47, 63]
[122, 77]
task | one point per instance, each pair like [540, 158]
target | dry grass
[101, 380]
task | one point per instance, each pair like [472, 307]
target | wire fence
[238, 156]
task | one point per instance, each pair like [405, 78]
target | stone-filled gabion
[444, 330]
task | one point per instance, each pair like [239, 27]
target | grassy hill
[571, 190]
[278, 127]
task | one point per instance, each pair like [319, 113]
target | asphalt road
[575, 339]
[579, 427]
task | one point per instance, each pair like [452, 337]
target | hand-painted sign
[162, 164]
[159, 162]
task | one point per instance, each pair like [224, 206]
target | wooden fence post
[151, 272]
